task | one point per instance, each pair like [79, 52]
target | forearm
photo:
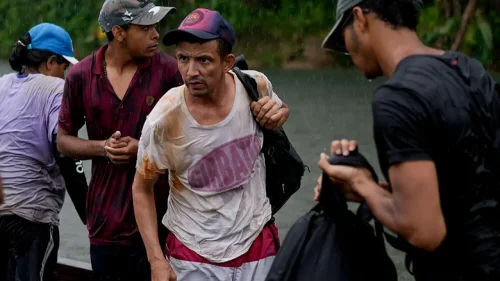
[145, 214]
[426, 233]
[381, 204]
[78, 148]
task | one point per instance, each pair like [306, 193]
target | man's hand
[162, 271]
[121, 150]
[346, 176]
[343, 147]
[268, 114]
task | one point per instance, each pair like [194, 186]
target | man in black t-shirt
[437, 131]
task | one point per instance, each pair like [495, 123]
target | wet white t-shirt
[217, 204]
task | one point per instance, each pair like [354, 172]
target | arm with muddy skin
[151, 161]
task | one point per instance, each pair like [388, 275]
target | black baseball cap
[335, 39]
[139, 12]
[203, 24]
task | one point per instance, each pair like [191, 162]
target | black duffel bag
[332, 243]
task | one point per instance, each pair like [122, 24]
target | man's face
[358, 41]
[141, 40]
[201, 66]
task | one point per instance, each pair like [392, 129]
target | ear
[51, 63]
[229, 62]
[118, 33]
[360, 19]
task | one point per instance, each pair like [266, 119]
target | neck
[397, 45]
[118, 57]
[29, 70]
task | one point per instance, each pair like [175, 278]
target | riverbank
[297, 54]
[306, 54]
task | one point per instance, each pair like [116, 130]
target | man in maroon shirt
[112, 91]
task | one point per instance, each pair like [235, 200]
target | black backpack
[284, 167]
[330, 242]
[75, 180]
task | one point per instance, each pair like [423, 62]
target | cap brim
[150, 17]
[71, 60]
[177, 35]
[335, 39]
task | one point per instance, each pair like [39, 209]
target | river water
[325, 105]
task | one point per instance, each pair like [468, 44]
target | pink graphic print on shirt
[226, 167]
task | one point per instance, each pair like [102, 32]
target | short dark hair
[20, 56]
[224, 47]
[397, 13]
[110, 35]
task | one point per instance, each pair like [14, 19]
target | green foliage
[267, 30]
[479, 39]
[78, 17]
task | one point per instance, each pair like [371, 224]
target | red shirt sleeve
[72, 115]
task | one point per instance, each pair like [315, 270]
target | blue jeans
[120, 263]
[28, 250]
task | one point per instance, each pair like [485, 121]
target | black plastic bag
[75, 180]
[332, 243]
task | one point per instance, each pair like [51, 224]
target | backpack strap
[249, 84]
[396, 242]
[241, 62]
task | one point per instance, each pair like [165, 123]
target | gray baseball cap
[335, 39]
[122, 12]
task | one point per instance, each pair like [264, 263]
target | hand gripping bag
[331, 242]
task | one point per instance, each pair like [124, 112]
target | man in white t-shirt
[205, 135]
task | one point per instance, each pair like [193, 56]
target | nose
[156, 35]
[192, 69]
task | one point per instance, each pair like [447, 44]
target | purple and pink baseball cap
[202, 24]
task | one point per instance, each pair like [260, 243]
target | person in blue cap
[34, 189]
[437, 134]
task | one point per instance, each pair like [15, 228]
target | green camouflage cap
[122, 12]
[335, 39]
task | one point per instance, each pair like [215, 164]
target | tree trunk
[457, 8]
[463, 25]
[446, 4]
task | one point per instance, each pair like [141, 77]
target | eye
[182, 58]
[204, 60]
